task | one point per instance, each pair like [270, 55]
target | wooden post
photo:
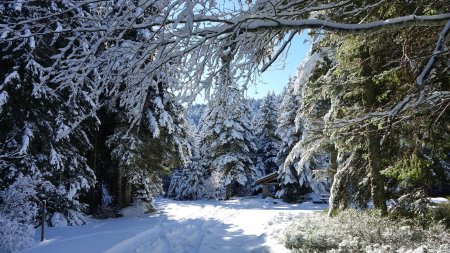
[265, 190]
[43, 221]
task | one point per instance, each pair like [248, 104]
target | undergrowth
[366, 231]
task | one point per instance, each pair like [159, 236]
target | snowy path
[242, 225]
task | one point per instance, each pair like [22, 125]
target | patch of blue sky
[276, 77]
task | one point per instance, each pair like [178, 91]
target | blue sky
[276, 77]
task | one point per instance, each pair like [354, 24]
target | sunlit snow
[238, 225]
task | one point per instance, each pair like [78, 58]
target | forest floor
[238, 225]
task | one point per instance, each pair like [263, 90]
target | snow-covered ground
[240, 225]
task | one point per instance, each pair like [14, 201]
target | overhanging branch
[261, 23]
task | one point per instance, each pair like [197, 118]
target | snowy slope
[240, 225]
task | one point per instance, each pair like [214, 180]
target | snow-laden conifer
[34, 113]
[227, 142]
[289, 135]
[267, 139]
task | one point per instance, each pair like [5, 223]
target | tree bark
[126, 192]
[333, 163]
[373, 137]
[376, 179]
[228, 192]
[118, 187]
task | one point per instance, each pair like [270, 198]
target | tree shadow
[153, 234]
[192, 236]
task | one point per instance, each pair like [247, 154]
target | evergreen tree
[17, 210]
[194, 114]
[144, 154]
[362, 85]
[227, 142]
[146, 133]
[311, 154]
[34, 113]
[268, 141]
[289, 135]
[189, 182]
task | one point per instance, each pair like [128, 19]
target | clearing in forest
[238, 225]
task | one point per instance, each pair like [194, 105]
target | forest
[97, 111]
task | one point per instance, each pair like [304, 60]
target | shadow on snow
[155, 234]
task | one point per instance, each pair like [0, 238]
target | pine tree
[289, 135]
[189, 182]
[34, 114]
[227, 143]
[144, 154]
[17, 210]
[268, 141]
[363, 85]
[310, 155]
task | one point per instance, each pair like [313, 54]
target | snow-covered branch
[186, 34]
[439, 45]
[259, 23]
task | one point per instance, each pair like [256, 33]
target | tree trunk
[118, 188]
[334, 187]
[338, 193]
[126, 192]
[373, 137]
[228, 192]
[333, 164]
[376, 179]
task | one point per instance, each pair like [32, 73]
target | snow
[25, 141]
[438, 200]
[31, 41]
[4, 35]
[58, 27]
[261, 23]
[305, 69]
[13, 75]
[238, 225]
[18, 5]
[63, 131]
[153, 124]
[138, 209]
[3, 99]
[58, 220]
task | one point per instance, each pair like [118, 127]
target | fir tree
[189, 182]
[144, 154]
[34, 114]
[227, 142]
[268, 141]
[310, 155]
[289, 135]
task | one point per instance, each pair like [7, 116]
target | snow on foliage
[309, 155]
[27, 135]
[3, 99]
[357, 231]
[267, 140]
[17, 213]
[10, 77]
[194, 114]
[58, 220]
[107, 199]
[227, 141]
[288, 133]
[65, 61]
[189, 182]
[35, 114]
